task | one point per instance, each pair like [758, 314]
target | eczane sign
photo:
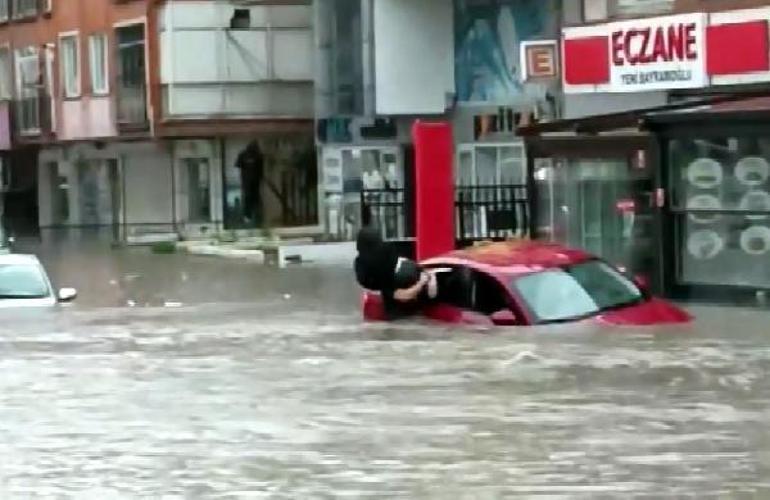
[662, 53]
[642, 54]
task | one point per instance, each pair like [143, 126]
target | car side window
[472, 290]
[489, 295]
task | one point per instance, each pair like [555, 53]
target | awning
[731, 106]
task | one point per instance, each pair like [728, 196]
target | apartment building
[137, 118]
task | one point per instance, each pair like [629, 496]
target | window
[24, 8]
[27, 89]
[22, 282]
[5, 74]
[636, 8]
[472, 290]
[97, 56]
[70, 65]
[595, 10]
[132, 107]
[576, 291]
[4, 4]
[720, 195]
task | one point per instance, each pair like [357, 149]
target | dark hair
[369, 239]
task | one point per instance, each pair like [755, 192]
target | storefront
[679, 194]
[270, 182]
[716, 174]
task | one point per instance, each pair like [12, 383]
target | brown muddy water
[178, 377]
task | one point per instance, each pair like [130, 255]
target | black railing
[481, 212]
[299, 198]
[491, 212]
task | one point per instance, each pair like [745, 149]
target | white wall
[580, 105]
[414, 56]
[206, 68]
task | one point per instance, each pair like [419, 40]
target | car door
[468, 296]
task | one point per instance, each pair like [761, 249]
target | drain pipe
[322, 21]
[367, 57]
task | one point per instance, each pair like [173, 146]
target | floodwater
[180, 377]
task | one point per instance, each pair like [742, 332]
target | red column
[434, 189]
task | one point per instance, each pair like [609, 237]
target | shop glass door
[602, 205]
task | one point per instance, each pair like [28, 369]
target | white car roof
[19, 259]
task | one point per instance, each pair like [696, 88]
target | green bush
[164, 247]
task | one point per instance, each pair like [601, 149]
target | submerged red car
[534, 283]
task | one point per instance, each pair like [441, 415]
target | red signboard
[671, 52]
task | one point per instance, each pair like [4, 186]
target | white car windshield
[21, 281]
[576, 291]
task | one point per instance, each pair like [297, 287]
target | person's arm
[411, 293]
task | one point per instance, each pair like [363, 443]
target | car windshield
[576, 291]
[22, 282]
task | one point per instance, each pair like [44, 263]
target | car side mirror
[504, 317]
[67, 294]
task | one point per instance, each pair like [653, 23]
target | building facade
[383, 64]
[149, 119]
[661, 165]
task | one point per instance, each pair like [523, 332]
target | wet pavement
[181, 377]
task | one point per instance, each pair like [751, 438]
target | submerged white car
[25, 283]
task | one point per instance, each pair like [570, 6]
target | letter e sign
[540, 60]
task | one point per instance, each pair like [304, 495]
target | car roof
[513, 257]
[19, 259]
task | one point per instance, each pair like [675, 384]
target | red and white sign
[540, 58]
[638, 55]
[625, 206]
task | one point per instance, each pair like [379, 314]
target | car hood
[652, 312]
[25, 303]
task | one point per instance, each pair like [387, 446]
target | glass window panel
[97, 51]
[512, 163]
[70, 66]
[5, 73]
[486, 166]
[733, 249]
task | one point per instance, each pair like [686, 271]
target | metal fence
[390, 210]
[491, 212]
[481, 212]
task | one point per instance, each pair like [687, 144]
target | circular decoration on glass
[705, 244]
[752, 171]
[704, 202]
[756, 240]
[705, 173]
[756, 201]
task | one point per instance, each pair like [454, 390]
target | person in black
[404, 286]
[251, 163]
